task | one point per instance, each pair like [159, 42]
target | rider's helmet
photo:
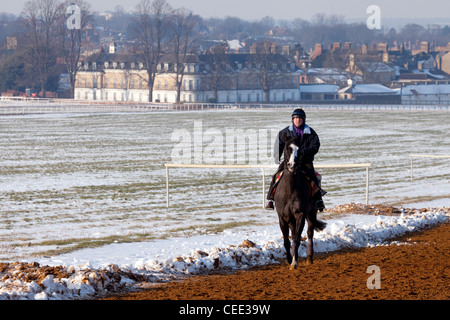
[299, 113]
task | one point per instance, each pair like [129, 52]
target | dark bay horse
[294, 205]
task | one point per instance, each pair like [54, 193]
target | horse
[294, 205]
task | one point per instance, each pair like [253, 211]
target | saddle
[313, 187]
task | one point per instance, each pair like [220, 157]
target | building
[226, 78]
[374, 72]
[351, 93]
[426, 94]
[369, 93]
[444, 62]
[328, 76]
[319, 92]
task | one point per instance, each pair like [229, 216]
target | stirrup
[320, 205]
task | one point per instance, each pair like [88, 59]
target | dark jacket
[308, 147]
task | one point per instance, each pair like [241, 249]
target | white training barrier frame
[411, 156]
[263, 167]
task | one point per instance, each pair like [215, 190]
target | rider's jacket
[309, 143]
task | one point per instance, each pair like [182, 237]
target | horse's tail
[318, 225]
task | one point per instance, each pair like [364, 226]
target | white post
[425, 156]
[263, 189]
[411, 158]
[167, 186]
[367, 185]
[262, 167]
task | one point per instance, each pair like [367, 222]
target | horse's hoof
[309, 261]
[291, 267]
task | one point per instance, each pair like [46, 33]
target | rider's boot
[320, 205]
[270, 205]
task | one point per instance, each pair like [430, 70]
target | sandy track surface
[418, 269]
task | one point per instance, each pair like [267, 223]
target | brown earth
[418, 269]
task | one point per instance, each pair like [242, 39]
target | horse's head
[291, 155]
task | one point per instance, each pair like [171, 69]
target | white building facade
[123, 78]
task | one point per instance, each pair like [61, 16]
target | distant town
[169, 55]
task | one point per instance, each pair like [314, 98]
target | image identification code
[229, 309]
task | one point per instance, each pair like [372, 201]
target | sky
[282, 9]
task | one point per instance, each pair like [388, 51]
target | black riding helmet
[299, 113]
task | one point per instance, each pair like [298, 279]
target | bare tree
[72, 37]
[216, 76]
[39, 18]
[183, 41]
[267, 68]
[152, 25]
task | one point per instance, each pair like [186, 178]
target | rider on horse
[309, 146]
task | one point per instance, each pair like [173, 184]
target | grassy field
[74, 181]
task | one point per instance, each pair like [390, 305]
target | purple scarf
[298, 131]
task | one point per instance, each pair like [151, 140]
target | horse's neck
[292, 179]
[289, 178]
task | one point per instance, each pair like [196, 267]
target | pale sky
[281, 9]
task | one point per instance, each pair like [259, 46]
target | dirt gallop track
[416, 269]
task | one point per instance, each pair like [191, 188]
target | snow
[180, 257]
[368, 89]
[352, 230]
[432, 89]
[319, 88]
[429, 73]
[234, 44]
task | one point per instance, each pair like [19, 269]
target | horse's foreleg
[310, 251]
[300, 224]
[287, 243]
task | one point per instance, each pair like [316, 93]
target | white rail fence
[411, 156]
[23, 105]
[262, 168]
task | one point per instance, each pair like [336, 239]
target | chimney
[351, 83]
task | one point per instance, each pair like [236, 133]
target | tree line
[47, 47]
